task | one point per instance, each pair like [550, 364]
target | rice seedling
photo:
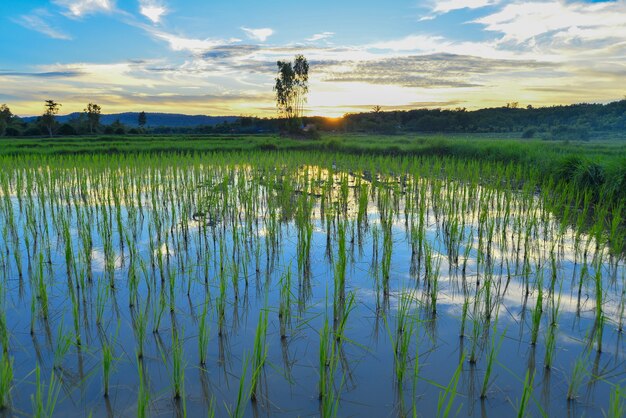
[203, 334]
[617, 406]
[107, 362]
[143, 392]
[491, 357]
[445, 399]
[139, 327]
[259, 353]
[239, 409]
[579, 370]
[6, 380]
[536, 313]
[284, 309]
[177, 372]
[4, 332]
[44, 406]
[526, 394]
[62, 346]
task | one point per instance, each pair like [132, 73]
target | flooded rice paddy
[304, 285]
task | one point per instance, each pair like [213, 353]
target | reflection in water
[416, 275]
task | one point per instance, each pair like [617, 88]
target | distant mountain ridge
[174, 120]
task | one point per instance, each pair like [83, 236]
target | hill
[174, 120]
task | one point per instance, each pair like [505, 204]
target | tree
[5, 118]
[292, 86]
[93, 116]
[142, 119]
[48, 118]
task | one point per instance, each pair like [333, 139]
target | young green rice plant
[220, 306]
[576, 379]
[4, 330]
[239, 409]
[178, 366]
[76, 315]
[62, 346]
[143, 393]
[44, 407]
[552, 328]
[325, 354]
[107, 362]
[536, 314]
[600, 318]
[617, 406]
[432, 275]
[405, 329]
[139, 326]
[157, 312]
[526, 394]
[445, 399]
[493, 353]
[42, 290]
[328, 361]
[477, 327]
[259, 353]
[599, 330]
[464, 310]
[346, 308]
[6, 380]
[203, 334]
[284, 309]
[102, 297]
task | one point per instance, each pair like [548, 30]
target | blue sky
[209, 57]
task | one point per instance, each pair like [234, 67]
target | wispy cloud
[521, 22]
[47, 74]
[153, 10]
[260, 34]
[430, 71]
[79, 8]
[321, 36]
[446, 6]
[194, 45]
[38, 21]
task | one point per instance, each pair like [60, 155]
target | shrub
[12, 131]
[32, 131]
[66, 129]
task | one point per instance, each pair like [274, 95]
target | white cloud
[424, 43]
[445, 6]
[38, 21]
[521, 22]
[181, 43]
[153, 10]
[78, 8]
[260, 34]
[320, 36]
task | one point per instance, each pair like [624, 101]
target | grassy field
[598, 165]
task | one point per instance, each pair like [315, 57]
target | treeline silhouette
[576, 122]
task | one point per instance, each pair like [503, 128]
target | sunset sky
[219, 57]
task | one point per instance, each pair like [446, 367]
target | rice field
[306, 284]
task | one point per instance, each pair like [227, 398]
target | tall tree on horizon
[142, 119]
[48, 118]
[93, 112]
[5, 118]
[292, 86]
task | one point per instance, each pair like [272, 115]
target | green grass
[598, 165]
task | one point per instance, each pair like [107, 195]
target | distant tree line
[577, 121]
[554, 122]
[85, 123]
